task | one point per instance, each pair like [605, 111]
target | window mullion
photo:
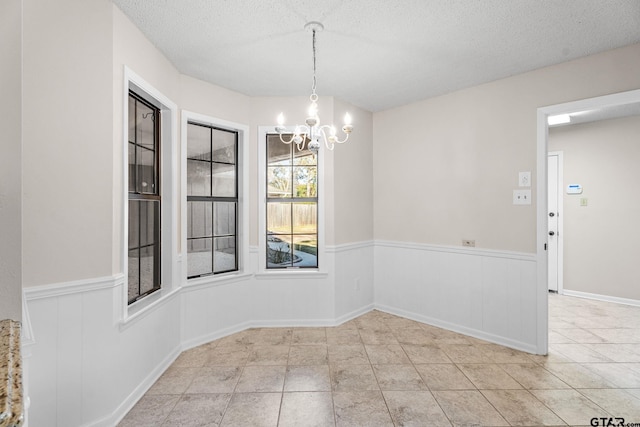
[213, 236]
[213, 205]
[291, 213]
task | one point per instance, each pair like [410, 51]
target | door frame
[560, 213]
[542, 131]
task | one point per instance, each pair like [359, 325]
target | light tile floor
[384, 370]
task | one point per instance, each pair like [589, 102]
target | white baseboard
[204, 339]
[207, 338]
[121, 411]
[352, 315]
[606, 298]
[517, 345]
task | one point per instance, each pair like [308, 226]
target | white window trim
[170, 281]
[242, 163]
[263, 272]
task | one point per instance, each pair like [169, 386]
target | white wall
[600, 239]
[126, 46]
[353, 177]
[11, 160]
[67, 142]
[445, 168]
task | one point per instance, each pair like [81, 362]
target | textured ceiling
[377, 54]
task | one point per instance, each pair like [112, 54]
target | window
[212, 200]
[144, 267]
[291, 206]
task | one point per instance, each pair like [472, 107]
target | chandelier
[312, 131]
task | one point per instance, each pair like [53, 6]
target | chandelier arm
[329, 146]
[301, 131]
[283, 140]
[337, 141]
[335, 138]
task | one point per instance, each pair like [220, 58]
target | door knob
[551, 233]
[551, 214]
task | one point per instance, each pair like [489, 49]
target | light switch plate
[521, 197]
[524, 179]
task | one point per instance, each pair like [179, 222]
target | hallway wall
[600, 239]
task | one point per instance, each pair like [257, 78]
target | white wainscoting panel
[87, 368]
[353, 279]
[84, 370]
[213, 311]
[487, 294]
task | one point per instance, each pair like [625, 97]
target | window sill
[291, 274]
[215, 280]
[140, 309]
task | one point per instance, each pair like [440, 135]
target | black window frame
[292, 200]
[137, 196]
[213, 199]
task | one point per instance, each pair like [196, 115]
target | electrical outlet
[470, 243]
[521, 197]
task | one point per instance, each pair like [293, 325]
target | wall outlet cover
[524, 179]
[521, 197]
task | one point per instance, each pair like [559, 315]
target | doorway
[621, 99]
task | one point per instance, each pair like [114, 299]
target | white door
[554, 208]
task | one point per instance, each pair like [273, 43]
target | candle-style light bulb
[347, 128]
[280, 119]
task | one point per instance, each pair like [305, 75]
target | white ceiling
[377, 54]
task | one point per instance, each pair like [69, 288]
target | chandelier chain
[313, 87]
